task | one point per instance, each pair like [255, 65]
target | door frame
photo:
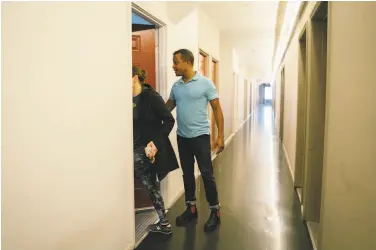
[282, 103]
[206, 61]
[301, 112]
[316, 111]
[246, 113]
[160, 49]
[160, 60]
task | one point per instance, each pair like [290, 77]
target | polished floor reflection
[260, 209]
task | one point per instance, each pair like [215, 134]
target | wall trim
[149, 17]
[130, 247]
[311, 236]
[288, 161]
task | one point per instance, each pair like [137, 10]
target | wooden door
[143, 53]
[202, 64]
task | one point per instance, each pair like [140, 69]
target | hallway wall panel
[66, 120]
[348, 202]
[349, 189]
[226, 83]
[290, 62]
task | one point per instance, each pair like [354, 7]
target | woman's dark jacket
[155, 123]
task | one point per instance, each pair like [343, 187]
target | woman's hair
[141, 73]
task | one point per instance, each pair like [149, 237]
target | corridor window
[268, 93]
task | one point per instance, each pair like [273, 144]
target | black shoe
[162, 228]
[189, 214]
[213, 222]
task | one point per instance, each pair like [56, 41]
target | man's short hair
[186, 55]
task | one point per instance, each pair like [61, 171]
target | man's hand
[219, 144]
[171, 104]
[150, 151]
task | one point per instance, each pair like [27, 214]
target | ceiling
[251, 28]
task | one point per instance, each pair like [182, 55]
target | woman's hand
[150, 151]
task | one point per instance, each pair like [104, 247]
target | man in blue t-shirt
[191, 95]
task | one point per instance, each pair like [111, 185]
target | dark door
[143, 55]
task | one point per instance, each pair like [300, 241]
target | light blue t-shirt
[192, 100]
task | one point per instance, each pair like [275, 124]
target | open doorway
[148, 40]
[282, 105]
[204, 70]
[250, 97]
[316, 107]
[301, 115]
[143, 47]
[245, 115]
[267, 94]
[316, 111]
[143, 55]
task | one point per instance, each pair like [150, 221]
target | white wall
[348, 195]
[226, 83]
[209, 38]
[290, 64]
[67, 159]
[349, 187]
[242, 74]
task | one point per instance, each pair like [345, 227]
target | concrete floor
[260, 209]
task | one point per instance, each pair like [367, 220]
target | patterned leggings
[142, 168]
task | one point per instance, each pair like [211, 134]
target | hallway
[260, 209]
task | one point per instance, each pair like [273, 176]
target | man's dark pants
[198, 147]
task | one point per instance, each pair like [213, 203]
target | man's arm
[219, 119]
[171, 104]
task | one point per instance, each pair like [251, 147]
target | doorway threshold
[143, 219]
[144, 209]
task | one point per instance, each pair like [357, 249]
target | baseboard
[130, 247]
[288, 162]
[311, 236]
[243, 122]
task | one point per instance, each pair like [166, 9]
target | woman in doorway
[153, 152]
